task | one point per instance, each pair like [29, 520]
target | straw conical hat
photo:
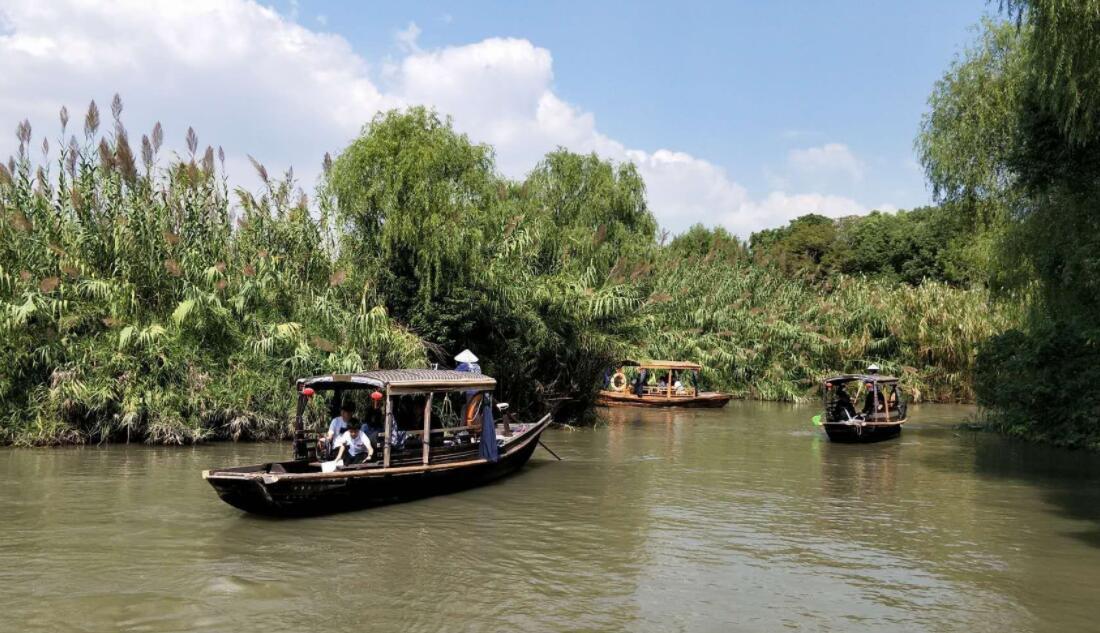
[466, 356]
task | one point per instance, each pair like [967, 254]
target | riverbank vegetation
[1012, 141]
[142, 298]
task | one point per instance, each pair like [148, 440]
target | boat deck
[628, 399]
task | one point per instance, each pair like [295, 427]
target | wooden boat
[881, 417]
[624, 392]
[453, 457]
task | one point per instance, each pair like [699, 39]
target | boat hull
[625, 399]
[862, 433]
[316, 493]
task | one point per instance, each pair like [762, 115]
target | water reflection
[745, 518]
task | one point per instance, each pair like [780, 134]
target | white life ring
[619, 381]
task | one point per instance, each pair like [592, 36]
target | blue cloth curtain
[489, 449]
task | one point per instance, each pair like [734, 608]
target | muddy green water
[744, 519]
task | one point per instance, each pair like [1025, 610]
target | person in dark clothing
[374, 423]
[872, 403]
[844, 407]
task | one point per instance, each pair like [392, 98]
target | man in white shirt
[353, 446]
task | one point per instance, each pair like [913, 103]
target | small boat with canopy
[439, 432]
[883, 412]
[657, 383]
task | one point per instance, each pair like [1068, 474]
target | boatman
[353, 446]
[467, 361]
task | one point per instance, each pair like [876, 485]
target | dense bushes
[764, 334]
[134, 303]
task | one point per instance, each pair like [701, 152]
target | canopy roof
[662, 364]
[403, 380]
[860, 377]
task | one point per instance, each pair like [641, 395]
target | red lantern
[377, 395]
[308, 392]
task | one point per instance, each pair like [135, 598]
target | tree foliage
[1032, 90]
[927, 244]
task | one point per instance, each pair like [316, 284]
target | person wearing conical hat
[467, 361]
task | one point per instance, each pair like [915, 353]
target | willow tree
[524, 274]
[1014, 128]
[572, 260]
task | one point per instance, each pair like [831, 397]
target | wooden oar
[548, 449]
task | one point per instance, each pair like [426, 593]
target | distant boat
[883, 411]
[675, 384]
[452, 458]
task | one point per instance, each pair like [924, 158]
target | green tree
[1013, 129]
[802, 247]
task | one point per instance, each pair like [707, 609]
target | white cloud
[828, 160]
[407, 37]
[259, 83]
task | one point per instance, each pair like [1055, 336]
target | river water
[742, 519]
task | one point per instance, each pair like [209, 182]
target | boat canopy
[403, 381]
[843, 378]
[662, 364]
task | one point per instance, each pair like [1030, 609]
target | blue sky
[737, 83]
[738, 114]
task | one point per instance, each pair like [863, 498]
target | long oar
[548, 449]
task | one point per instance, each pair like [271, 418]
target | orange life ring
[619, 381]
[472, 410]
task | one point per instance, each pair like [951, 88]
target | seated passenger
[873, 402]
[844, 407]
[336, 428]
[353, 446]
[892, 401]
[373, 419]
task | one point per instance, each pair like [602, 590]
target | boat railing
[656, 390]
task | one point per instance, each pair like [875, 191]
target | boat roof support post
[299, 435]
[885, 405]
[388, 431]
[427, 437]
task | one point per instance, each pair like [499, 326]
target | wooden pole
[886, 406]
[668, 391]
[426, 439]
[300, 449]
[387, 431]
